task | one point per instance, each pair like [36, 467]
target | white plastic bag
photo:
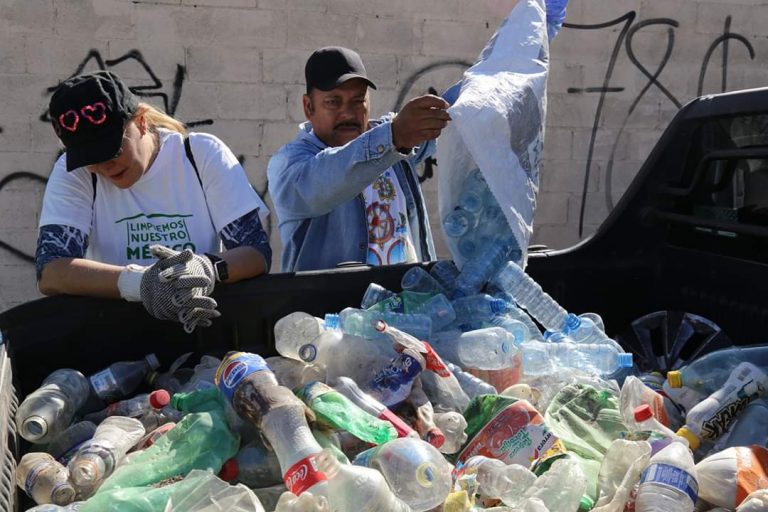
[498, 123]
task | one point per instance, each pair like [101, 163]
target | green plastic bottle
[336, 410]
[201, 440]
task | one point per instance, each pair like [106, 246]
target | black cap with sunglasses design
[88, 113]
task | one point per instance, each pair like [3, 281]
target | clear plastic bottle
[545, 358]
[65, 445]
[44, 479]
[425, 417]
[393, 383]
[246, 381]
[416, 279]
[498, 480]
[119, 380]
[295, 330]
[293, 373]
[669, 482]
[439, 309]
[136, 407]
[445, 273]
[515, 313]
[459, 222]
[362, 323]
[256, 466]
[49, 410]
[519, 330]
[472, 386]
[492, 348]
[99, 457]
[529, 295]
[357, 488]
[645, 419]
[478, 308]
[474, 192]
[709, 372]
[479, 269]
[366, 402]
[416, 472]
[374, 294]
[452, 425]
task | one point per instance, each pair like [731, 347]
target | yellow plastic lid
[675, 379]
[687, 434]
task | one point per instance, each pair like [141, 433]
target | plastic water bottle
[546, 358]
[459, 222]
[480, 268]
[99, 457]
[518, 315]
[529, 295]
[340, 354]
[441, 385]
[472, 386]
[709, 372]
[393, 383]
[44, 479]
[416, 472]
[295, 330]
[66, 444]
[256, 466]
[335, 410]
[424, 421]
[45, 413]
[366, 402]
[118, 381]
[445, 273]
[374, 294]
[497, 479]
[491, 348]
[452, 425]
[247, 382]
[437, 307]
[416, 279]
[669, 482]
[519, 330]
[478, 308]
[137, 407]
[363, 323]
[474, 192]
[357, 488]
[645, 419]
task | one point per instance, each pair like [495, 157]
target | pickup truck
[679, 268]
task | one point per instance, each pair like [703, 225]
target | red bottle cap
[229, 470]
[643, 412]
[435, 437]
[159, 399]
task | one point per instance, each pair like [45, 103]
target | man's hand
[421, 119]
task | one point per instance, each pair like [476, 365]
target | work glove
[176, 288]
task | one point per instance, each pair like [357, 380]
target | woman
[133, 186]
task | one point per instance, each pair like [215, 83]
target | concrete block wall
[235, 68]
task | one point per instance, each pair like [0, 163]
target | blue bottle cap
[625, 360]
[571, 323]
[332, 321]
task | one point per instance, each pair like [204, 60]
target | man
[345, 189]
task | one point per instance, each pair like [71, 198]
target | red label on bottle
[435, 364]
[303, 475]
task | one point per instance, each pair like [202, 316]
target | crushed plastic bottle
[363, 323]
[119, 381]
[669, 483]
[416, 279]
[44, 479]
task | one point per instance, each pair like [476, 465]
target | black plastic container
[689, 235]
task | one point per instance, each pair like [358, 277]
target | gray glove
[177, 287]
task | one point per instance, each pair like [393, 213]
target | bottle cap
[643, 412]
[625, 360]
[435, 437]
[152, 361]
[688, 435]
[159, 398]
[571, 323]
[586, 503]
[332, 321]
[229, 470]
[675, 379]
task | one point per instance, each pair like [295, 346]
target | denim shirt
[317, 195]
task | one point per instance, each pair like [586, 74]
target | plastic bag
[498, 123]
[211, 494]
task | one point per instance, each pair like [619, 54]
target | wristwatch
[220, 268]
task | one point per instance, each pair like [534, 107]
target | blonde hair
[156, 118]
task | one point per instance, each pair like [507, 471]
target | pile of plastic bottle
[376, 409]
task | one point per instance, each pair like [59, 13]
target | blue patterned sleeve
[58, 241]
[247, 230]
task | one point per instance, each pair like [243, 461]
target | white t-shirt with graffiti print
[165, 206]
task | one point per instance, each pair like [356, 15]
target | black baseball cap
[88, 113]
[331, 66]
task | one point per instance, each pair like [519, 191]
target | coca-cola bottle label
[435, 364]
[303, 475]
[235, 367]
